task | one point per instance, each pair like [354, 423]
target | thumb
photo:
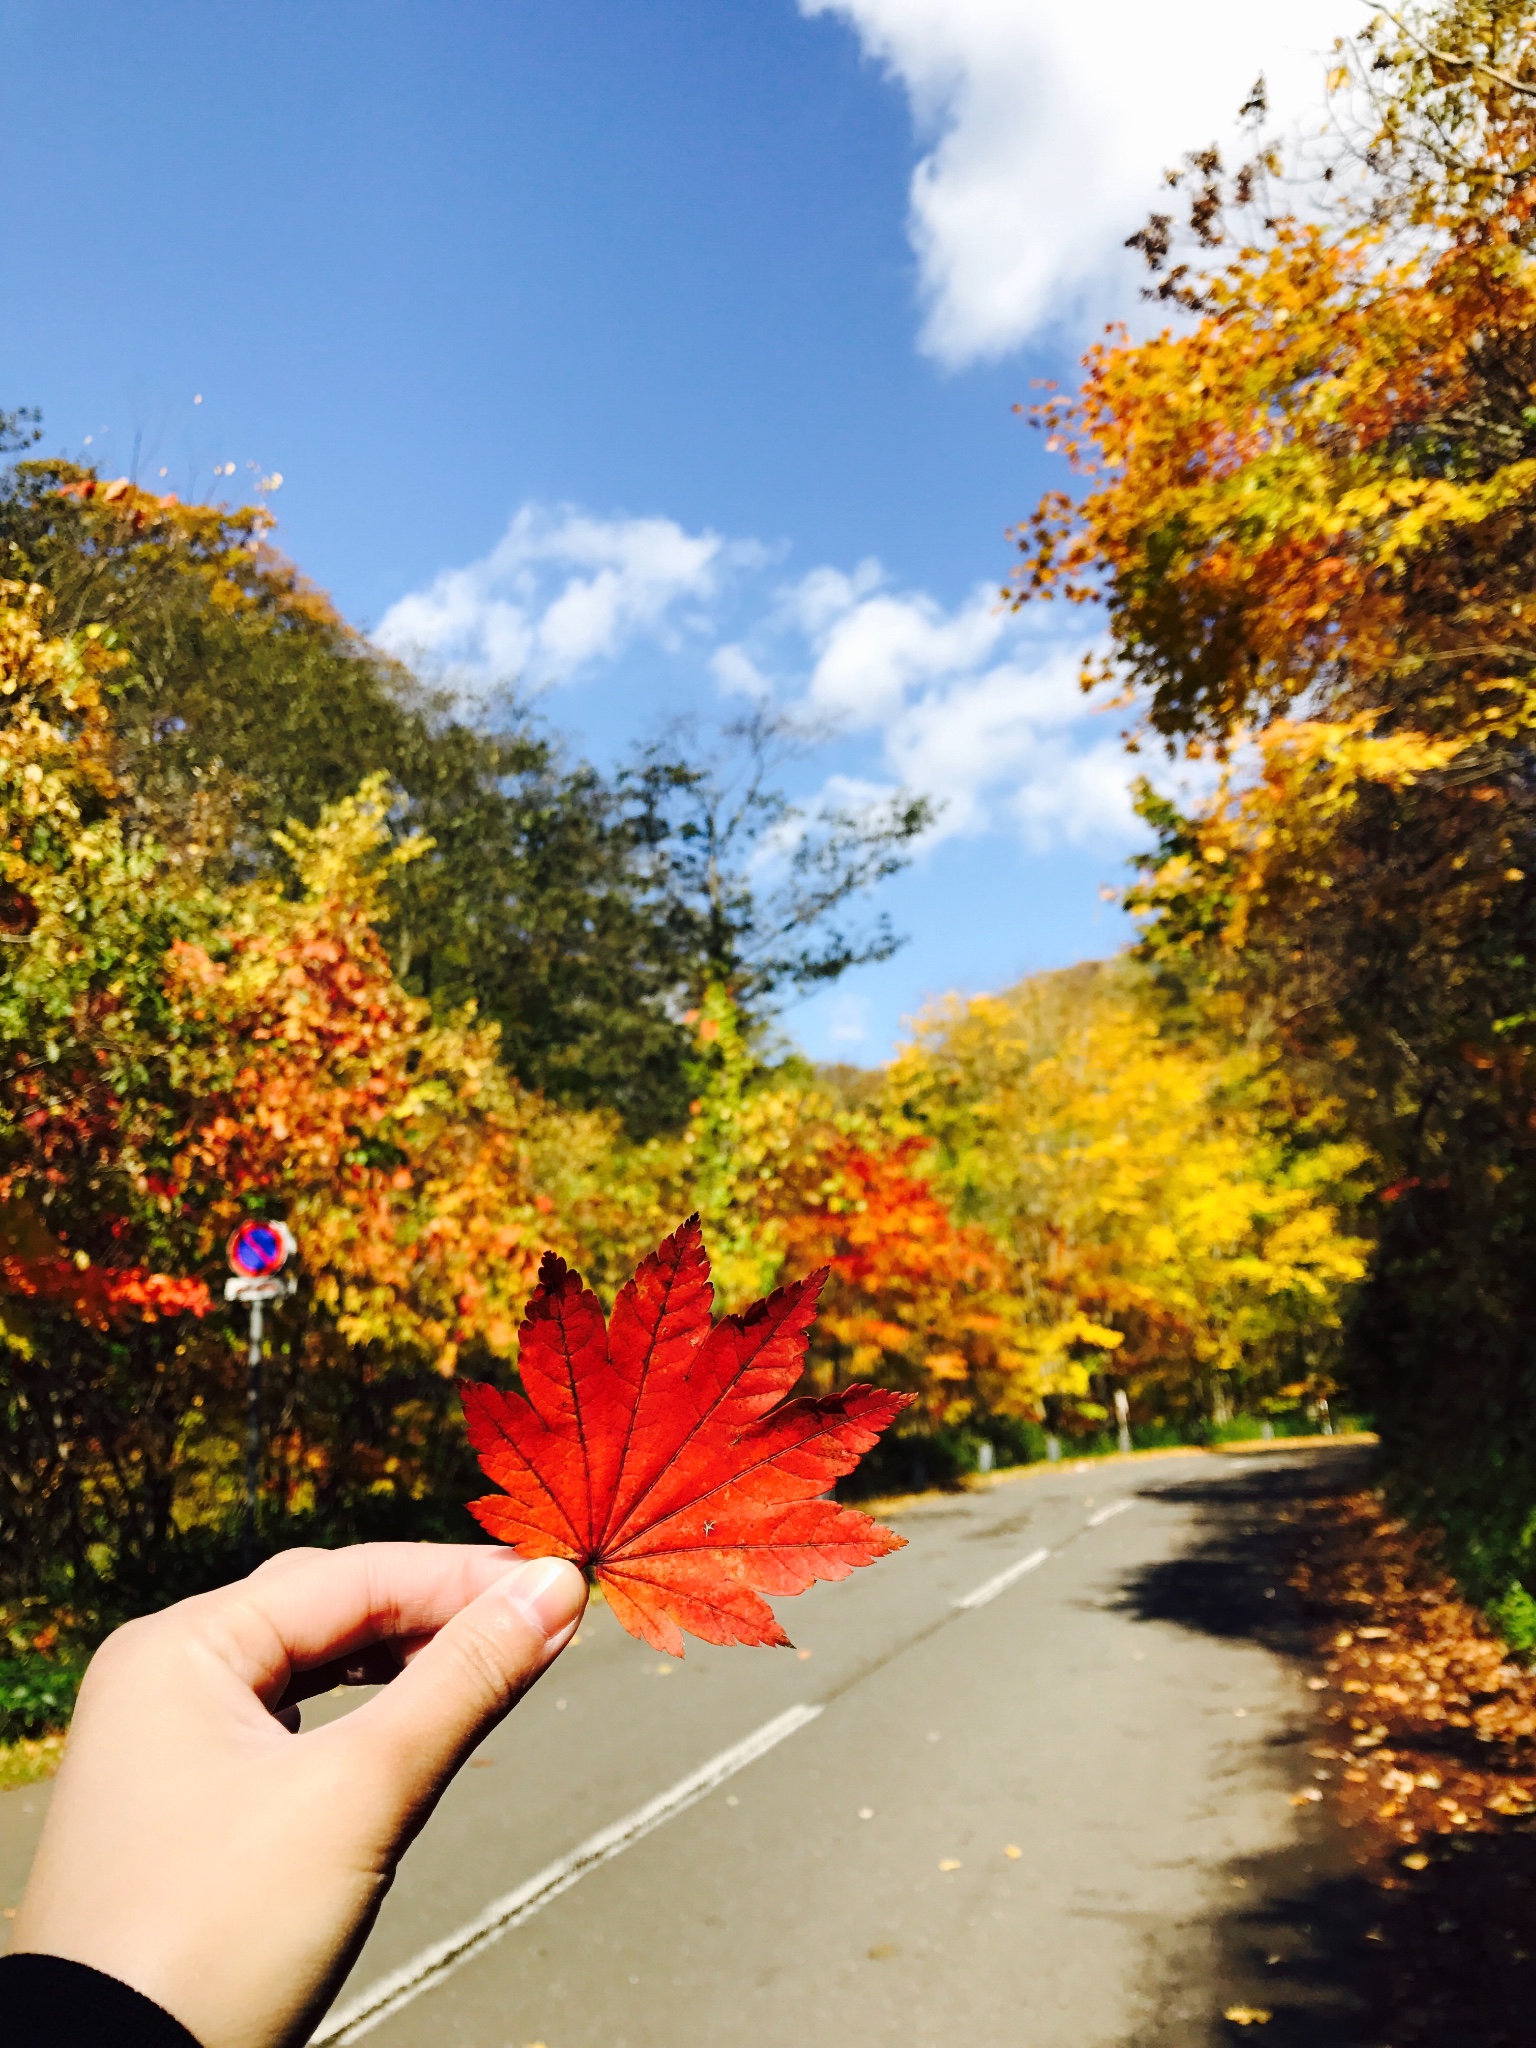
[472, 1673]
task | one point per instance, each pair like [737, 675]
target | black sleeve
[46, 2002]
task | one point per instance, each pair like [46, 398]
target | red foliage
[913, 1291]
[102, 1295]
[658, 1452]
[881, 1227]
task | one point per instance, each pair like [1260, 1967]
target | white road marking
[1001, 1581]
[386, 1997]
[1116, 1507]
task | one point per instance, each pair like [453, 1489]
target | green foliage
[37, 1692]
[1513, 1614]
[19, 428]
[913, 1461]
[1016, 1440]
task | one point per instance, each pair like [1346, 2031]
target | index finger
[305, 1607]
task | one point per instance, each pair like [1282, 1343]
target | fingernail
[549, 1591]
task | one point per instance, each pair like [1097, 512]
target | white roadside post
[257, 1252]
[1123, 1417]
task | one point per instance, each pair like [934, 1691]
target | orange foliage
[913, 1294]
[1253, 516]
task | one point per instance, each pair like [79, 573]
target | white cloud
[849, 1024]
[1050, 125]
[560, 590]
[970, 704]
[1077, 795]
[967, 706]
[879, 647]
[738, 674]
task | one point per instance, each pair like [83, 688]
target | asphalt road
[1062, 1814]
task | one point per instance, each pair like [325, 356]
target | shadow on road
[1330, 1937]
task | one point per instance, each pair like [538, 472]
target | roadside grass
[30, 1759]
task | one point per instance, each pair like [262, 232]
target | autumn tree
[775, 888]
[1167, 1233]
[175, 1055]
[87, 917]
[1307, 513]
[581, 912]
[789, 1176]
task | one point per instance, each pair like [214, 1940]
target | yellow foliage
[1162, 1226]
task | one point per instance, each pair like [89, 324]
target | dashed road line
[1116, 1507]
[1001, 1581]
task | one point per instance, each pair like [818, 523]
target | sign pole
[252, 1438]
[257, 1253]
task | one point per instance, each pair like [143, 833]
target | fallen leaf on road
[802, 1655]
[659, 1452]
[1431, 1665]
[1013, 1851]
[1307, 1797]
[881, 1950]
[866, 1813]
[949, 1863]
[1442, 1702]
[1247, 2015]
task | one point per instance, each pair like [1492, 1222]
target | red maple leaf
[659, 1454]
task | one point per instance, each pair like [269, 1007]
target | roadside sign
[257, 1250]
[259, 1287]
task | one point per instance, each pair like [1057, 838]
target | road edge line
[432, 1964]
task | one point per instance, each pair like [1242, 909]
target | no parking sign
[258, 1251]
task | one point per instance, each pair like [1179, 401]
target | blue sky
[662, 355]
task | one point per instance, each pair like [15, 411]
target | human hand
[230, 1869]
